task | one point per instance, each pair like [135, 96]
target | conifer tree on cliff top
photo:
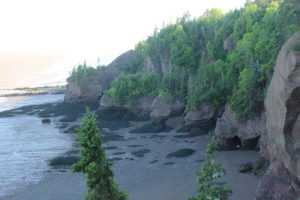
[93, 163]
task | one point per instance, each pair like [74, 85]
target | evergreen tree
[94, 164]
[210, 187]
[238, 74]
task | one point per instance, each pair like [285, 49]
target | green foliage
[290, 9]
[132, 67]
[260, 30]
[174, 87]
[181, 51]
[233, 130]
[83, 75]
[248, 95]
[94, 164]
[296, 46]
[239, 77]
[137, 63]
[210, 86]
[210, 187]
[129, 88]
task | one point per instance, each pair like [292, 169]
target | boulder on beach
[46, 121]
[152, 127]
[182, 153]
[140, 153]
[161, 110]
[257, 167]
[63, 161]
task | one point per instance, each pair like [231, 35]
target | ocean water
[26, 145]
[3, 100]
[7, 103]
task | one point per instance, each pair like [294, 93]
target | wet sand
[55, 186]
[243, 185]
[144, 169]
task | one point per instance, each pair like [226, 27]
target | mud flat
[160, 166]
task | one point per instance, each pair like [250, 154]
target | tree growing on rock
[210, 187]
[93, 163]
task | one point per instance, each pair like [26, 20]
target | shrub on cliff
[82, 75]
[174, 87]
[296, 46]
[94, 164]
[210, 187]
[210, 86]
[129, 88]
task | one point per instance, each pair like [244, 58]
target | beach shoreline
[31, 91]
[152, 173]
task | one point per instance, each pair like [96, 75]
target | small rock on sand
[182, 153]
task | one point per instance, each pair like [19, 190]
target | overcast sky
[38, 37]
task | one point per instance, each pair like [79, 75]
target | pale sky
[40, 38]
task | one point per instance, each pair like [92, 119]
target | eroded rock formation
[90, 92]
[162, 66]
[281, 143]
[232, 133]
[141, 108]
[229, 44]
[278, 184]
[202, 118]
[162, 109]
[101, 82]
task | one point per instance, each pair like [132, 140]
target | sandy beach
[145, 166]
[149, 184]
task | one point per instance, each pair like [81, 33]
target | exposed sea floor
[152, 166]
[149, 166]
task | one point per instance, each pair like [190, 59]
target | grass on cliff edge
[296, 46]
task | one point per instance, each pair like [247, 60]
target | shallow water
[26, 145]
[3, 100]
[7, 103]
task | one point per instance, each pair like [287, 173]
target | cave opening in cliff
[234, 142]
[250, 144]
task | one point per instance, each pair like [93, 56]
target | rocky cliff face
[162, 109]
[161, 67]
[77, 93]
[229, 44]
[95, 89]
[232, 133]
[282, 140]
[141, 108]
[201, 119]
